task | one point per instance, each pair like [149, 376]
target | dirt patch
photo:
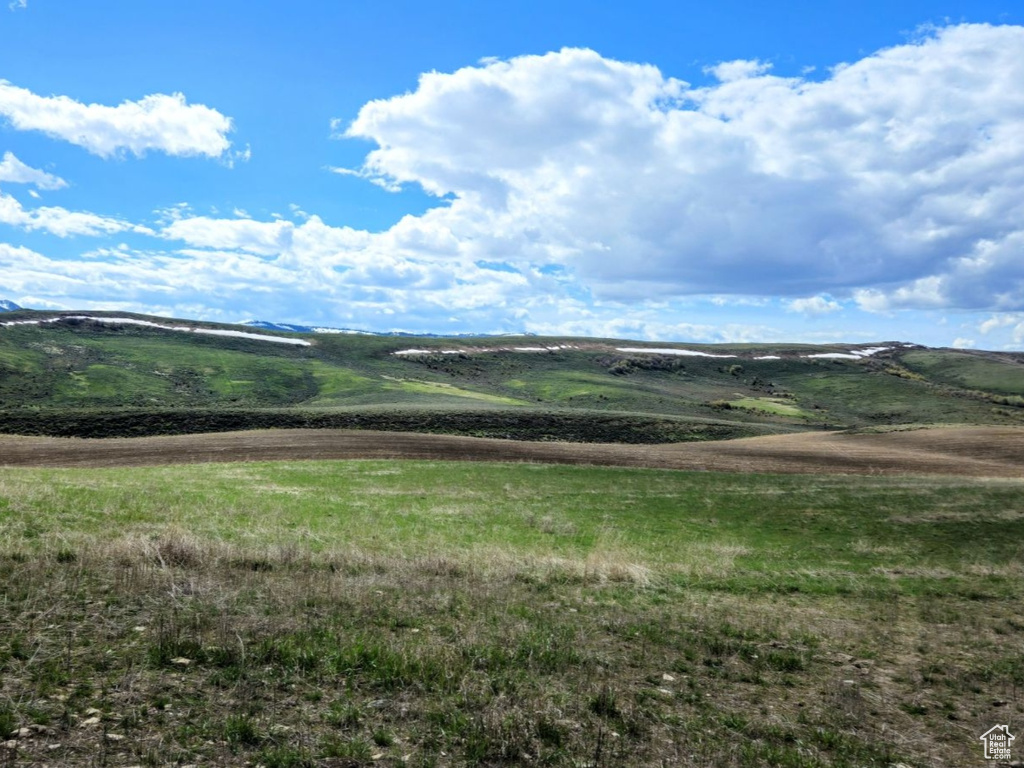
[963, 452]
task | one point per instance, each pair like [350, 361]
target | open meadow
[221, 548]
[512, 384]
[409, 612]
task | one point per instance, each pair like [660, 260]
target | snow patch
[768, 357]
[147, 324]
[668, 351]
[853, 354]
[478, 350]
[244, 335]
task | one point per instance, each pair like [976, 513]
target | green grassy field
[50, 373]
[419, 613]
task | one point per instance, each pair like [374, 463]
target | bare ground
[959, 451]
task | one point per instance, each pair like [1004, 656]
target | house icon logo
[997, 742]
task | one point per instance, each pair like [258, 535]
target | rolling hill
[104, 374]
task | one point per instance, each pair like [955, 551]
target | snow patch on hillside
[668, 351]
[853, 354]
[479, 350]
[147, 324]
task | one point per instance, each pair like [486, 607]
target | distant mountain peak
[8, 306]
[291, 328]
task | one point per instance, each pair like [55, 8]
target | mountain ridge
[120, 374]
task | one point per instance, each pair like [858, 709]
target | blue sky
[732, 171]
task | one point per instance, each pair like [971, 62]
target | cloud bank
[580, 194]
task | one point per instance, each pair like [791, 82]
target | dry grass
[170, 649]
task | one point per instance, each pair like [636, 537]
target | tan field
[958, 451]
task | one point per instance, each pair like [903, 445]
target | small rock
[93, 711]
[849, 682]
[21, 733]
[378, 756]
[667, 677]
[181, 661]
[44, 729]
[999, 702]
[139, 629]
[115, 737]
[842, 658]
[90, 722]
[12, 744]
[665, 691]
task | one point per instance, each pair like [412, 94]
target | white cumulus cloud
[895, 180]
[999, 321]
[815, 305]
[15, 171]
[739, 69]
[159, 122]
[60, 221]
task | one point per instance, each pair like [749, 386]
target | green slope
[80, 376]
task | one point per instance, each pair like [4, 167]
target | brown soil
[961, 451]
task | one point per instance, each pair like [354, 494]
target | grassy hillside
[79, 376]
[341, 614]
